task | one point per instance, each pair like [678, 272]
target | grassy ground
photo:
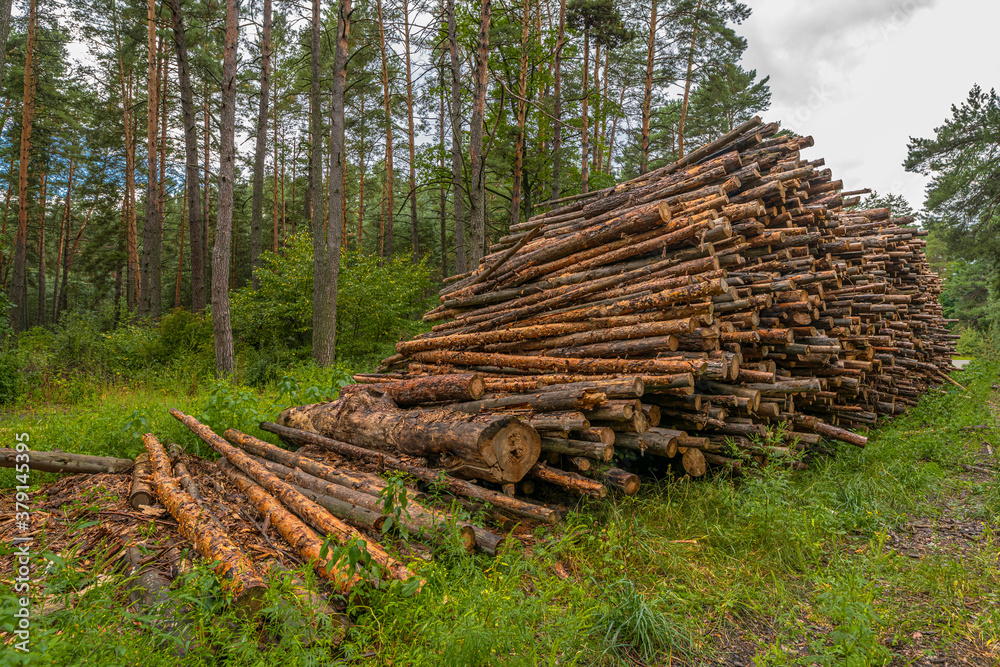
[887, 555]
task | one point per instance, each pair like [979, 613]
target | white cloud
[862, 76]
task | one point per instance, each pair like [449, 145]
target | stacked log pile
[731, 308]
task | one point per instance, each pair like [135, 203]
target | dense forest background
[163, 159]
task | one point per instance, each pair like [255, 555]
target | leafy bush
[375, 302]
[10, 377]
[975, 344]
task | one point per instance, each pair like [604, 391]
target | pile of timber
[731, 309]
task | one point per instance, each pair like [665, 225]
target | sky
[863, 76]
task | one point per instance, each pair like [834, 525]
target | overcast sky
[862, 76]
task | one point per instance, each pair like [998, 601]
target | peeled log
[495, 448]
[63, 462]
[293, 499]
[301, 537]
[234, 569]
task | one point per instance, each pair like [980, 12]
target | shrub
[375, 302]
[10, 377]
[974, 343]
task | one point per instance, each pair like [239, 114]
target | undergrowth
[797, 564]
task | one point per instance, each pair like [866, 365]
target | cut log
[141, 494]
[494, 448]
[430, 389]
[235, 571]
[628, 483]
[301, 537]
[64, 462]
[569, 481]
[291, 498]
[457, 486]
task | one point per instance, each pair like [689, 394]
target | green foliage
[10, 377]
[374, 306]
[632, 623]
[897, 204]
[975, 344]
[964, 166]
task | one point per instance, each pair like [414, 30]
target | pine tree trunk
[647, 97]
[476, 128]
[515, 199]
[414, 237]
[585, 135]
[191, 171]
[687, 86]
[457, 170]
[18, 293]
[594, 160]
[387, 100]
[180, 254]
[442, 197]
[361, 180]
[132, 293]
[206, 204]
[257, 206]
[221, 324]
[557, 106]
[63, 233]
[40, 315]
[151, 241]
[328, 263]
[274, 194]
[4, 32]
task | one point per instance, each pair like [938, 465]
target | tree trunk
[150, 303]
[221, 324]
[647, 97]
[594, 158]
[442, 197]
[414, 237]
[515, 199]
[687, 86]
[495, 448]
[476, 158]
[207, 199]
[585, 136]
[457, 169]
[327, 259]
[180, 253]
[387, 102]
[257, 207]
[361, 181]
[274, 179]
[19, 290]
[557, 106]
[64, 228]
[40, 315]
[4, 32]
[191, 171]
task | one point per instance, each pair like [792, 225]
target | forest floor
[882, 556]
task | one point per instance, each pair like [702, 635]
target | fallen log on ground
[233, 567]
[64, 462]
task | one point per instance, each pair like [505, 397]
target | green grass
[802, 568]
